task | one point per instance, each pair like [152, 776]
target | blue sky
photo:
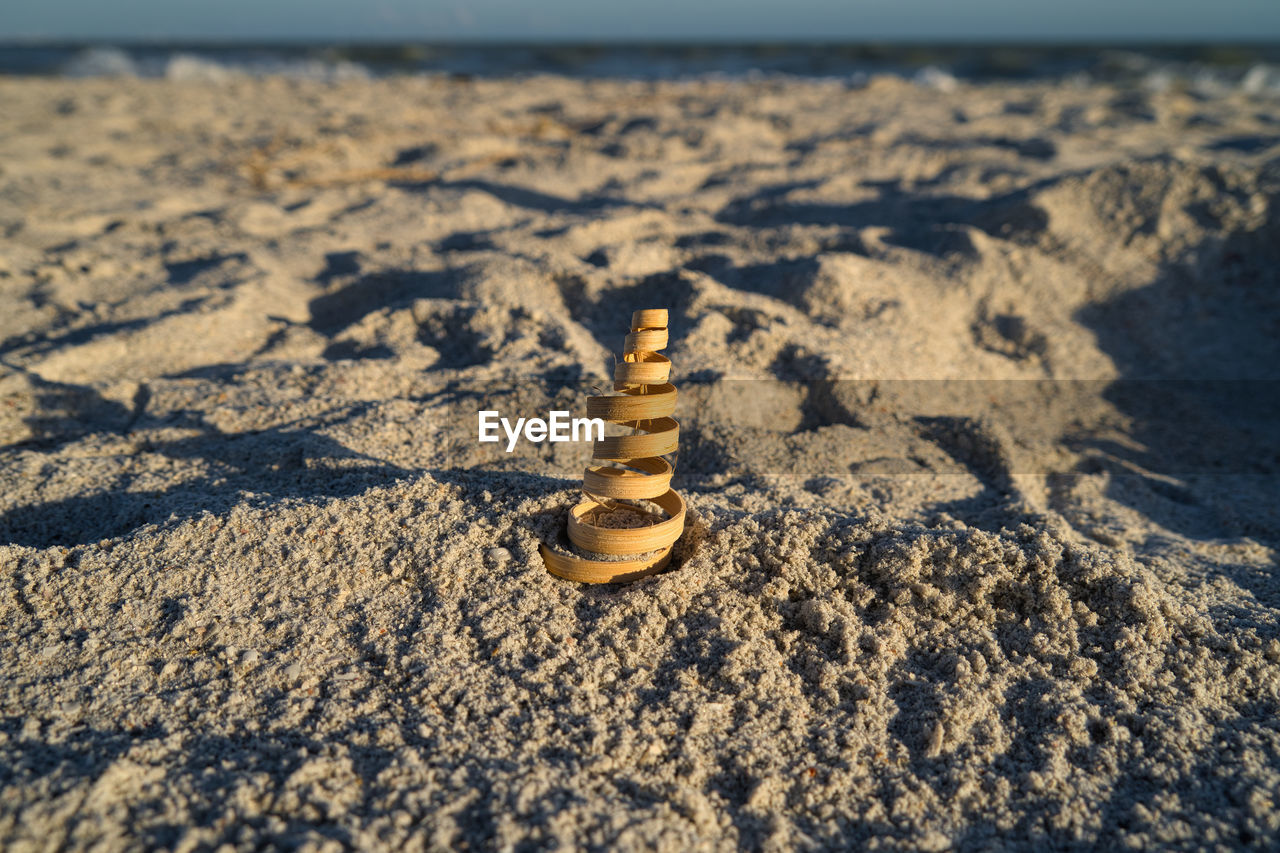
[853, 20]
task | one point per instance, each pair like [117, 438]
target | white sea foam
[1161, 80]
[933, 77]
[101, 62]
[1261, 79]
[187, 68]
[191, 68]
[194, 68]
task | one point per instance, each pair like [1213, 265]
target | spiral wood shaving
[638, 472]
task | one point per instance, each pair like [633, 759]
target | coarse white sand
[979, 440]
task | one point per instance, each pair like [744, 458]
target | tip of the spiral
[649, 318]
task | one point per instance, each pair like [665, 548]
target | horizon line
[614, 41]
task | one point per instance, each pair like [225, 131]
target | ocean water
[1203, 69]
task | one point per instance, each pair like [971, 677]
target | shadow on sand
[1199, 354]
[256, 466]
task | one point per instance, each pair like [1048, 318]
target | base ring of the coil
[574, 568]
[654, 541]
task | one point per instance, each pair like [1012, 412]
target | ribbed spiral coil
[634, 469]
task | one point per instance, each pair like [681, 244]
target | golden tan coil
[637, 473]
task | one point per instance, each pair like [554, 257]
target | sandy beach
[980, 443]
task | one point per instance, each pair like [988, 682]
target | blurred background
[1188, 43]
